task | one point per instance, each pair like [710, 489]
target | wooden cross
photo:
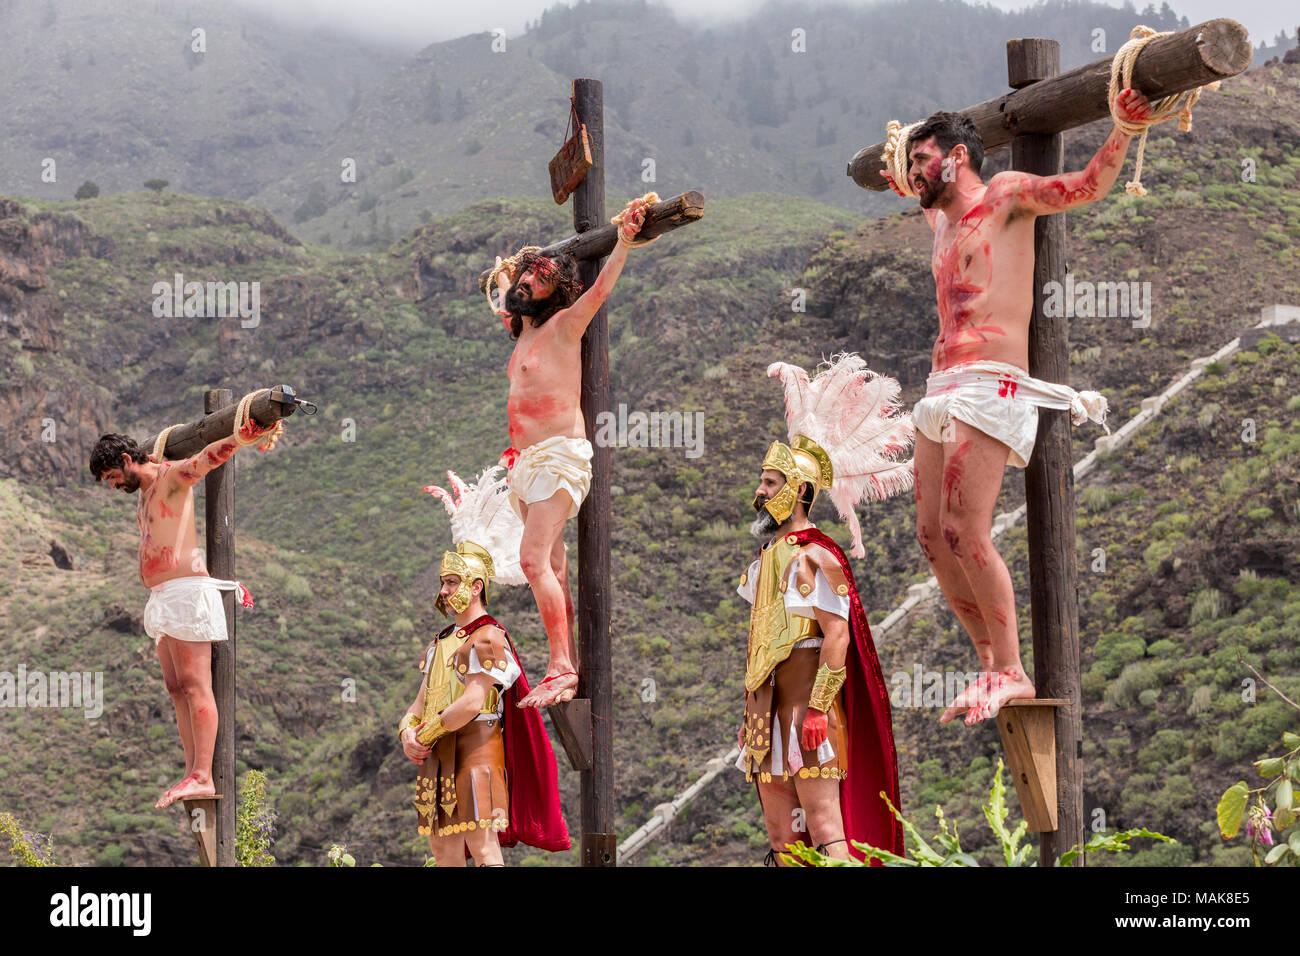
[205, 814]
[1043, 104]
[585, 725]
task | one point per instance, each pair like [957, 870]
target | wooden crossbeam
[1184, 60]
[598, 242]
[185, 440]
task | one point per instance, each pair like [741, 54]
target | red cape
[535, 815]
[872, 759]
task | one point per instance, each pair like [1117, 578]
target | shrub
[254, 823]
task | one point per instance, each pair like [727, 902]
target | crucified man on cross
[184, 615]
[981, 406]
[550, 457]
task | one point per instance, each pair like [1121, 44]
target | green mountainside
[339, 548]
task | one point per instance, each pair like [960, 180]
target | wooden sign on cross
[585, 725]
[1044, 103]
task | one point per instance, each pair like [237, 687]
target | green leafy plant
[945, 848]
[339, 856]
[254, 823]
[1274, 819]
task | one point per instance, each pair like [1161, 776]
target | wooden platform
[1028, 732]
[201, 815]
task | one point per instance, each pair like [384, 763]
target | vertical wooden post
[219, 528]
[1049, 479]
[599, 841]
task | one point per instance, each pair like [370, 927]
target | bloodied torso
[165, 517]
[545, 373]
[983, 268]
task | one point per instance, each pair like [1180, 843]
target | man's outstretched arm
[1043, 195]
[578, 316]
[215, 455]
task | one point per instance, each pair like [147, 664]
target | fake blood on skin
[952, 473]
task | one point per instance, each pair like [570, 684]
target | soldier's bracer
[433, 731]
[826, 686]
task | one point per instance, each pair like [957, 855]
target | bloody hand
[1132, 106]
[889, 178]
[633, 217]
[814, 729]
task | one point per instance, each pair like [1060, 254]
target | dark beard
[132, 484]
[933, 193]
[539, 311]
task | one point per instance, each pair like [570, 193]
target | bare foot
[554, 689]
[187, 789]
[985, 697]
[163, 801]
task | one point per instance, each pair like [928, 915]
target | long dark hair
[568, 287]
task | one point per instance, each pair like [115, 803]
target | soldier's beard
[764, 525]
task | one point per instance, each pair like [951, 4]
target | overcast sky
[416, 23]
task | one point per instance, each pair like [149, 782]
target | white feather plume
[853, 414]
[481, 513]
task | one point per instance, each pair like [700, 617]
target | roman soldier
[817, 737]
[487, 774]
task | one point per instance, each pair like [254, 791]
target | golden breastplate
[773, 630]
[442, 687]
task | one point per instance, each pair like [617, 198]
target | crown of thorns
[545, 268]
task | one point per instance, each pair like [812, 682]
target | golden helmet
[470, 562]
[803, 460]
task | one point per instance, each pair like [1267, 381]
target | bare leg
[780, 805]
[820, 800]
[484, 847]
[447, 850]
[543, 528]
[179, 703]
[560, 565]
[193, 666]
[972, 478]
[929, 493]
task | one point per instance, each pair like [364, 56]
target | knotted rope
[649, 199]
[1162, 110]
[895, 154]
